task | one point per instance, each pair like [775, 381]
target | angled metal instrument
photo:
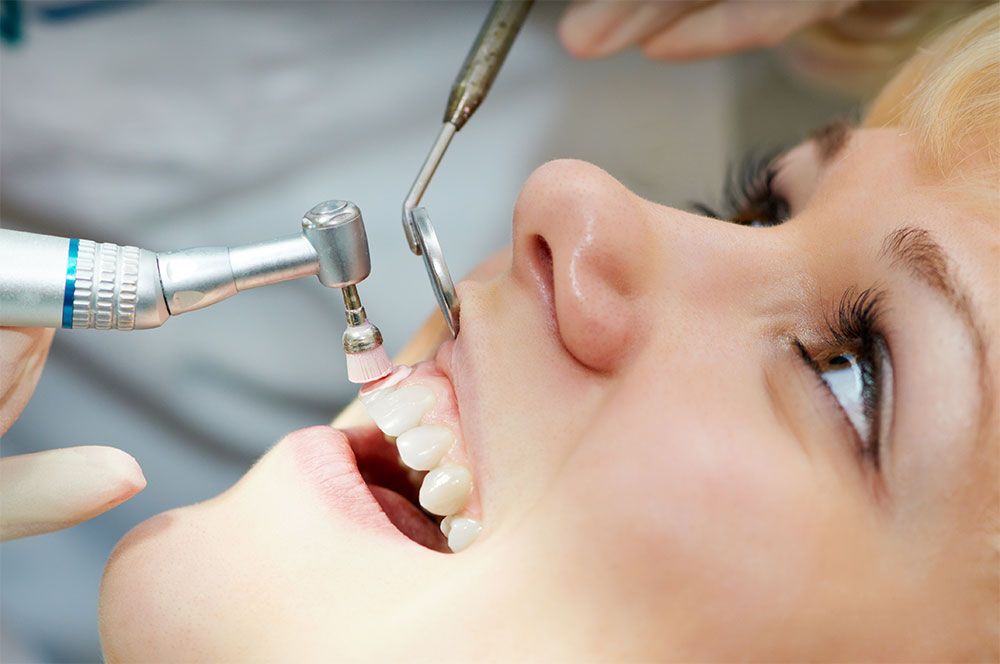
[473, 82]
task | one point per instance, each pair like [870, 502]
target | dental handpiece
[48, 281]
[474, 80]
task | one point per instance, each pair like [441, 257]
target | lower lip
[324, 458]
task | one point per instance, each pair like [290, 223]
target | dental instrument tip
[368, 365]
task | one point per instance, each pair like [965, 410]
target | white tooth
[462, 533]
[446, 489]
[400, 410]
[374, 395]
[446, 524]
[421, 448]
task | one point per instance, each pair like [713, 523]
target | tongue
[409, 520]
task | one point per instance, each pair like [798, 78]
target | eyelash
[854, 328]
[749, 198]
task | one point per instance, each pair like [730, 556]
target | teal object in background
[11, 21]
[14, 14]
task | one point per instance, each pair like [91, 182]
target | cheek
[704, 514]
[695, 492]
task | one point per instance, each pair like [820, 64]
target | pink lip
[443, 358]
[453, 360]
[326, 460]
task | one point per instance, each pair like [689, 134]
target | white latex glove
[54, 489]
[687, 29]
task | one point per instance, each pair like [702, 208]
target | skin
[692, 492]
[688, 29]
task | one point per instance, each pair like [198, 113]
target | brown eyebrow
[916, 250]
[830, 139]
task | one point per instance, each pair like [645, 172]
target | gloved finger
[22, 356]
[56, 489]
[729, 27]
[598, 28]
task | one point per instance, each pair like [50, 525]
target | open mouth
[414, 461]
[395, 488]
[408, 473]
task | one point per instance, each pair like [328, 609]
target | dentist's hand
[687, 29]
[54, 489]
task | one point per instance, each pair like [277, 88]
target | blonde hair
[947, 96]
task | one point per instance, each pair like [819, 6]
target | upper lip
[462, 375]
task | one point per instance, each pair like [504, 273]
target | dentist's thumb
[56, 489]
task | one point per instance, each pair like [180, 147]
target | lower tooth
[446, 489]
[462, 533]
[446, 524]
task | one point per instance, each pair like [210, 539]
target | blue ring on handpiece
[74, 249]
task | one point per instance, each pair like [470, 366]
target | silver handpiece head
[337, 232]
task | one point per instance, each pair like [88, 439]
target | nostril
[593, 299]
[543, 255]
[541, 258]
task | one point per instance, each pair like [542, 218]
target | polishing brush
[367, 359]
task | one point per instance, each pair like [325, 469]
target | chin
[199, 583]
[290, 549]
[148, 597]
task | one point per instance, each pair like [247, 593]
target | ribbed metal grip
[107, 286]
[48, 281]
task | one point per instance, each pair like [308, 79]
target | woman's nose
[583, 239]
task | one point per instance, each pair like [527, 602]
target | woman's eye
[861, 381]
[853, 365]
[749, 195]
[764, 223]
[763, 207]
[845, 375]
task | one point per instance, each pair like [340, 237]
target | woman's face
[689, 439]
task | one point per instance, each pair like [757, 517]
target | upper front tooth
[421, 448]
[446, 489]
[370, 397]
[400, 410]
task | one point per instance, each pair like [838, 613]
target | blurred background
[175, 124]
